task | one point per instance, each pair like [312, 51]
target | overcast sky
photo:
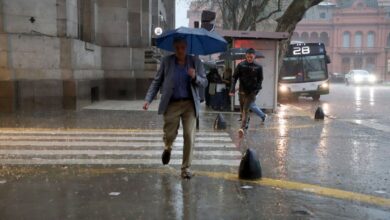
[181, 13]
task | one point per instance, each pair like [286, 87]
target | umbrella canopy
[199, 41]
[237, 54]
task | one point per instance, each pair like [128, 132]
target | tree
[290, 18]
[245, 14]
[242, 14]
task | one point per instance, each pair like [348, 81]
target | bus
[304, 72]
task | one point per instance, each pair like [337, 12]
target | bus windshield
[303, 69]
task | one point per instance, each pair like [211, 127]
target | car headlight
[324, 85]
[283, 88]
[372, 79]
[358, 78]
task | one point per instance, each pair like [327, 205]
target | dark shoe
[263, 118]
[166, 156]
[186, 174]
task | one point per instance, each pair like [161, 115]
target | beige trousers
[245, 102]
[184, 111]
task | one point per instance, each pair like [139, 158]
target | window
[305, 37]
[346, 39]
[314, 37]
[313, 68]
[358, 39]
[324, 38]
[370, 39]
[86, 20]
[322, 15]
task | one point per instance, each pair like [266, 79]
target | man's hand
[191, 73]
[231, 93]
[146, 106]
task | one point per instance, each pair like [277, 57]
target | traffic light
[208, 18]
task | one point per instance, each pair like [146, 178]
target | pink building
[356, 33]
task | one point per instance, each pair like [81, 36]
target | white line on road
[106, 144]
[369, 124]
[105, 132]
[114, 152]
[37, 161]
[105, 138]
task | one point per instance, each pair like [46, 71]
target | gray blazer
[164, 81]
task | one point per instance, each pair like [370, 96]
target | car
[360, 77]
[337, 77]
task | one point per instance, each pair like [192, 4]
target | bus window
[314, 67]
[292, 69]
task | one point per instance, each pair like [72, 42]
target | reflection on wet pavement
[348, 151]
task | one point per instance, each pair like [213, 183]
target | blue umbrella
[199, 41]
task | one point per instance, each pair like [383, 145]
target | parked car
[337, 77]
[360, 77]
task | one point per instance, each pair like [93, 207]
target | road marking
[61, 161]
[114, 152]
[71, 143]
[97, 131]
[266, 182]
[289, 127]
[369, 124]
[40, 147]
[304, 187]
[106, 138]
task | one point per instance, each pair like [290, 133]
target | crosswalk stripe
[106, 138]
[97, 132]
[38, 161]
[107, 144]
[50, 147]
[115, 152]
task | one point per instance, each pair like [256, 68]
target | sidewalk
[136, 105]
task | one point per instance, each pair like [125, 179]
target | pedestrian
[180, 77]
[250, 75]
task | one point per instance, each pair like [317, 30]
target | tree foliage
[245, 14]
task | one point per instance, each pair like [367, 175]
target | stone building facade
[356, 34]
[65, 54]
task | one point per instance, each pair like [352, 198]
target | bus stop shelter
[268, 44]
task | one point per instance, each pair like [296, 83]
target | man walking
[250, 75]
[180, 78]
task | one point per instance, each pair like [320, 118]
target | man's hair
[250, 51]
[179, 40]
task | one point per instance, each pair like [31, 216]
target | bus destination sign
[306, 49]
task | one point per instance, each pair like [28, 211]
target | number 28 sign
[301, 50]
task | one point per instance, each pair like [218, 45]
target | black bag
[319, 115]
[250, 168]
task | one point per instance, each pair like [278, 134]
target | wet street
[105, 164]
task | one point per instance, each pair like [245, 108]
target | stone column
[146, 25]
[134, 7]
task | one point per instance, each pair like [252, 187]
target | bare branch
[279, 9]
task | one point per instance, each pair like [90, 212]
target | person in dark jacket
[250, 75]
